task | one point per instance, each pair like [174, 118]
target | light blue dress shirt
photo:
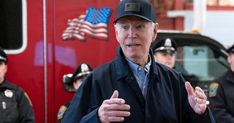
[141, 74]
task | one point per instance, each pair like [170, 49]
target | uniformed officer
[221, 93]
[72, 83]
[165, 51]
[15, 105]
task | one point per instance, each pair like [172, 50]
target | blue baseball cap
[138, 8]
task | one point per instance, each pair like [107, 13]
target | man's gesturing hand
[113, 109]
[197, 98]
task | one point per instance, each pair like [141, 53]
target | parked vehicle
[199, 58]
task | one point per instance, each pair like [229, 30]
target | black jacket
[166, 100]
[15, 106]
[222, 102]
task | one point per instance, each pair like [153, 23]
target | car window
[10, 24]
[13, 26]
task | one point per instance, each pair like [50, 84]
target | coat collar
[123, 71]
[6, 84]
[122, 67]
[230, 75]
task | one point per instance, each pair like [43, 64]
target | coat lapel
[123, 72]
[131, 80]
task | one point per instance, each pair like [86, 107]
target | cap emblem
[84, 68]
[132, 7]
[168, 42]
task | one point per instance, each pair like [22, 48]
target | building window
[217, 2]
[162, 6]
[225, 2]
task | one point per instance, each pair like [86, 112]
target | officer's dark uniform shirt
[222, 98]
[15, 106]
[166, 100]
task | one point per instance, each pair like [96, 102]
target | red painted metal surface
[27, 68]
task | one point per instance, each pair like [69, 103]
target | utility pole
[199, 10]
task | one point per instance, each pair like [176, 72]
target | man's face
[135, 36]
[165, 58]
[3, 70]
[231, 60]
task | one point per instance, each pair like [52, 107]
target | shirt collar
[123, 68]
[134, 67]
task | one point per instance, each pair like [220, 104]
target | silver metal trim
[45, 62]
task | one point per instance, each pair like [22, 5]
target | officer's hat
[231, 49]
[167, 45]
[3, 56]
[138, 8]
[81, 71]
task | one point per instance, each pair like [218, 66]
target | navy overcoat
[166, 100]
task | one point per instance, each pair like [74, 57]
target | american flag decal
[94, 23]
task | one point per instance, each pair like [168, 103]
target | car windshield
[201, 61]
[200, 64]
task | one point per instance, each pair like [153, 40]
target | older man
[133, 88]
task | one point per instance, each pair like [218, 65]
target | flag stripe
[96, 25]
[95, 34]
[91, 29]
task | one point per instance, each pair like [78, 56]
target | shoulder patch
[61, 112]
[213, 89]
[26, 95]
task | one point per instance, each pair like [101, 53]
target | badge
[61, 112]
[8, 93]
[213, 89]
